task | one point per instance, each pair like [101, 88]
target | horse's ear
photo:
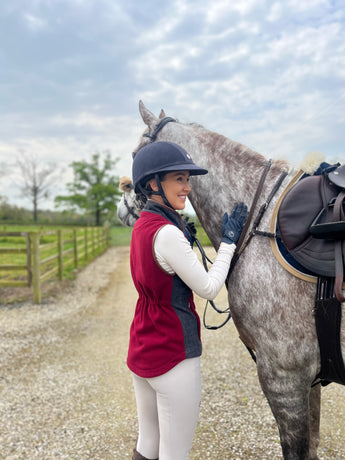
[162, 114]
[149, 119]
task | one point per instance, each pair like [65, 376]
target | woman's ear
[153, 185]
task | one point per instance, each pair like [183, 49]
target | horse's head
[127, 214]
[151, 122]
[233, 168]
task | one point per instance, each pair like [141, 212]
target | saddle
[311, 222]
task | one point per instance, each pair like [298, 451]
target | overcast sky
[269, 74]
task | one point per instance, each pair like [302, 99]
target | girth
[327, 315]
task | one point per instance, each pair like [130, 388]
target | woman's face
[176, 188]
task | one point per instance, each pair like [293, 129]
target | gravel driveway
[66, 392]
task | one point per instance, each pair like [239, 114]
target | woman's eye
[183, 179]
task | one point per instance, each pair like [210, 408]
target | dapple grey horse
[271, 308]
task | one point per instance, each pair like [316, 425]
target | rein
[213, 305]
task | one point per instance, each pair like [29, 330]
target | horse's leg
[288, 397]
[314, 410]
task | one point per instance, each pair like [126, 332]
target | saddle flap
[298, 211]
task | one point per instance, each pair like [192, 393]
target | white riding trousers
[168, 410]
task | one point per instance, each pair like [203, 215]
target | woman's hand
[232, 226]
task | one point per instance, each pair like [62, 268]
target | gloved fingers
[237, 210]
[225, 218]
[240, 212]
[244, 213]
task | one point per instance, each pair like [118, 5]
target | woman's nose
[187, 187]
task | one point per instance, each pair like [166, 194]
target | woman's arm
[174, 255]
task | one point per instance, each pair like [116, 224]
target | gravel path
[66, 392]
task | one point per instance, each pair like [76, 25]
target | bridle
[153, 136]
[160, 125]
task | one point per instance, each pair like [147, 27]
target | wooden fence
[40, 255]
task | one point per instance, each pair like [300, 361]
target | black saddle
[311, 221]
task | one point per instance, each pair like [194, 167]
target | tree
[93, 189]
[3, 168]
[36, 180]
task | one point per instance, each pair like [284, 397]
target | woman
[165, 347]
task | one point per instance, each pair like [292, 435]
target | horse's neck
[234, 169]
[234, 172]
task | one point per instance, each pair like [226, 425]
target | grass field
[48, 249]
[119, 236]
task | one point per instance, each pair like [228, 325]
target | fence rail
[40, 255]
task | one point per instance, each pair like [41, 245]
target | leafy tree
[93, 189]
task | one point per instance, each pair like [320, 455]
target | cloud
[268, 74]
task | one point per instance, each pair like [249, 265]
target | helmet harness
[158, 158]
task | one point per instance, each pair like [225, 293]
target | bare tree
[4, 169]
[36, 179]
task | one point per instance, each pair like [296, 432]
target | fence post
[86, 243]
[75, 245]
[36, 274]
[28, 258]
[60, 254]
[105, 234]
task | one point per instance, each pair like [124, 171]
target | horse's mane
[249, 157]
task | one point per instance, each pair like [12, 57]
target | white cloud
[34, 22]
[269, 74]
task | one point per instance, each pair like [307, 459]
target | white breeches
[168, 410]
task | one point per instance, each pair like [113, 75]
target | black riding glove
[232, 226]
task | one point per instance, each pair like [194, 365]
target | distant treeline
[11, 214]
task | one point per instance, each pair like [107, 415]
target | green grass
[19, 242]
[119, 236]
[202, 236]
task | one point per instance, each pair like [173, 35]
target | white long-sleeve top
[175, 256]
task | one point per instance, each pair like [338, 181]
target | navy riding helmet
[161, 157]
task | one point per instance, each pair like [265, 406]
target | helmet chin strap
[160, 191]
